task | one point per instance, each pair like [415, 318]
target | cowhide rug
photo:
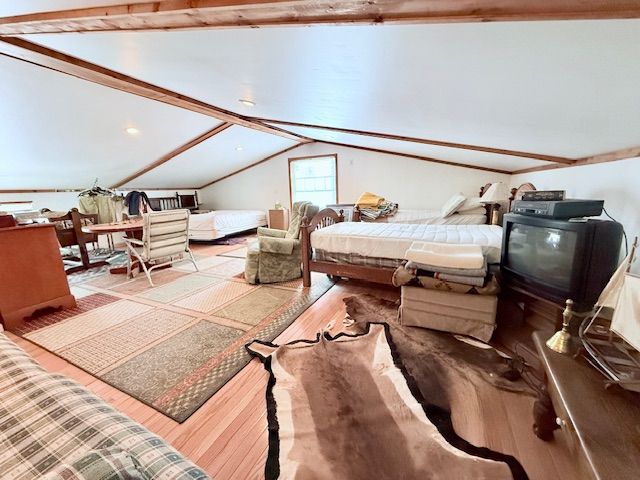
[345, 407]
[435, 360]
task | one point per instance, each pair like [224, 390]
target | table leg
[544, 416]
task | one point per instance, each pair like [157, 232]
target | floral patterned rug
[174, 345]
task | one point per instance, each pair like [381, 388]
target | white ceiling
[467, 157]
[57, 131]
[565, 88]
[213, 159]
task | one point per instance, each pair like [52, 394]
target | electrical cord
[626, 242]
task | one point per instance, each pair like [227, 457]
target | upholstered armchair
[276, 255]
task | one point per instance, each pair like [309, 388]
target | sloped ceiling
[466, 157]
[57, 131]
[568, 89]
[226, 152]
[559, 88]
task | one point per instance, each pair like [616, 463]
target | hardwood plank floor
[227, 436]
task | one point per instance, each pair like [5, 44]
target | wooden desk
[602, 426]
[32, 275]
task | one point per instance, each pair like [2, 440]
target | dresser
[32, 275]
[602, 426]
[279, 219]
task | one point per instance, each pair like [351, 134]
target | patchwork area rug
[345, 407]
[174, 345]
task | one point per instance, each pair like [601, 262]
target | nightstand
[279, 219]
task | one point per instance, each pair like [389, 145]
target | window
[314, 179]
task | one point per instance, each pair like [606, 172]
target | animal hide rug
[343, 407]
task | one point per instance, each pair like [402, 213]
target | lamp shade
[497, 192]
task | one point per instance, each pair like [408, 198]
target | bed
[220, 223]
[371, 250]
[476, 216]
[48, 420]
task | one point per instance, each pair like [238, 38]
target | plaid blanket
[47, 419]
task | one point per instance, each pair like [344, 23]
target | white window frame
[311, 157]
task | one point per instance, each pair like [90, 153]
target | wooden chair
[69, 232]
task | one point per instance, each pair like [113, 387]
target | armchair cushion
[278, 245]
[271, 232]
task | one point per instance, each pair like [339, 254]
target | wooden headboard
[516, 193]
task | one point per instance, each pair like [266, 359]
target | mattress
[219, 223]
[391, 240]
[434, 217]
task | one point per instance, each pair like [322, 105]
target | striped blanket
[47, 420]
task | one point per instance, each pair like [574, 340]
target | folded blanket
[491, 288]
[463, 279]
[369, 200]
[446, 255]
[403, 276]
[467, 272]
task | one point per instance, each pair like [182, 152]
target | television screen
[542, 253]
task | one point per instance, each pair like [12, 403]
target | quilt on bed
[48, 419]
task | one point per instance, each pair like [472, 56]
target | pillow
[472, 203]
[452, 204]
[106, 464]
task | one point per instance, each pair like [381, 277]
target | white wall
[617, 183]
[63, 201]
[410, 182]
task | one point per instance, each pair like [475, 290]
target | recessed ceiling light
[132, 130]
[238, 148]
[246, 102]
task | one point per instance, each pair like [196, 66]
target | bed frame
[383, 275]
[322, 219]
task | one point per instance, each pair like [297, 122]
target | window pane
[314, 180]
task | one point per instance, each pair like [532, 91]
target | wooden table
[602, 426]
[132, 228]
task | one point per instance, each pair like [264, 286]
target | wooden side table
[602, 426]
[279, 219]
[32, 275]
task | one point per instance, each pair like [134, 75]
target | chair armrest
[271, 232]
[282, 246]
[133, 241]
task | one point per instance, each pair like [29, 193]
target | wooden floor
[228, 435]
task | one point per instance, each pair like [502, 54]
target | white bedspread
[224, 222]
[434, 217]
[392, 240]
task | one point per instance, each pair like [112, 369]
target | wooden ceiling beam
[190, 14]
[42, 56]
[174, 153]
[419, 157]
[439, 143]
[255, 164]
[622, 154]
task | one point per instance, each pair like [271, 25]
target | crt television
[560, 259]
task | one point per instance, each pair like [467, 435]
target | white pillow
[452, 204]
[472, 203]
